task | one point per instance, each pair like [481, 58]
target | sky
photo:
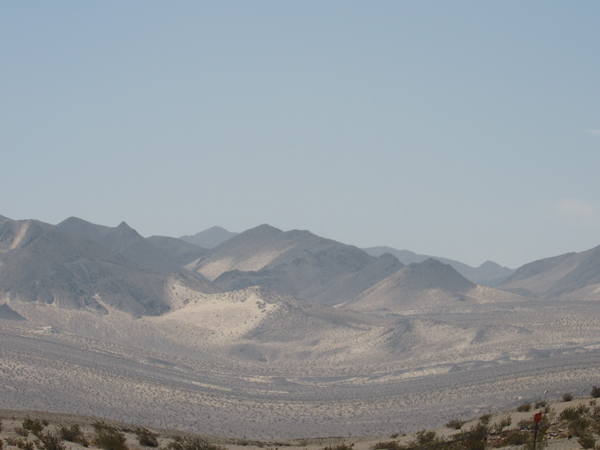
[466, 129]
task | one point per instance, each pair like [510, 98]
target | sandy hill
[39, 263]
[209, 238]
[418, 286]
[557, 276]
[488, 274]
[295, 262]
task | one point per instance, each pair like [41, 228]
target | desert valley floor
[243, 364]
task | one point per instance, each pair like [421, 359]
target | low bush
[21, 431]
[595, 393]
[20, 443]
[455, 424]
[539, 404]
[35, 426]
[515, 438]
[108, 438]
[147, 438]
[50, 441]
[387, 445]
[587, 441]
[339, 447]
[573, 413]
[73, 434]
[524, 407]
[185, 443]
[485, 419]
[567, 397]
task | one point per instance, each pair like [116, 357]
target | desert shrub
[539, 404]
[525, 424]
[1, 428]
[339, 447]
[20, 443]
[505, 422]
[1, 444]
[108, 438]
[567, 397]
[455, 424]
[50, 441]
[579, 426]
[485, 419]
[524, 407]
[515, 438]
[426, 440]
[387, 445]
[73, 434]
[147, 437]
[35, 426]
[21, 431]
[595, 392]
[587, 441]
[573, 413]
[395, 435]
[185, 443]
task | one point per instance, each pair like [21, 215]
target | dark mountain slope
[348, 286]
[209, 238]
[177, 250]
[39, 263]
[124, 240]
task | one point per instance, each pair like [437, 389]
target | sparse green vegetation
[455, 424]
[524, 407]
[50, 441]
[539, 404]
[185, 443]
[485, 419]
[20, 443]
[146, 437]
[339, 447]
[21, 431]
[387, 445]
[595, 392]
[567, 397]
[108, 438]
[73, 434]
[35, 426]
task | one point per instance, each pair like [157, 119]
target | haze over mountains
[280, 333]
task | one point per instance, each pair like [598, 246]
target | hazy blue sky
[463, 129]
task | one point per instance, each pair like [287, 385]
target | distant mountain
[295, 262]
[421, 287]
[123, 240]
[39, 263]
[177, 250]
[209, 238]
[350, 285]
[2, 218]
[557, 276]
[488, 274]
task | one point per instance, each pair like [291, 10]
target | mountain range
[280, 333]
[79, 264]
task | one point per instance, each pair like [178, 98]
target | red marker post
[537, 418]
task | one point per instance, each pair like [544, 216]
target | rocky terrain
[276, 334]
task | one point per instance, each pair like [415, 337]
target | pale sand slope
[12, 419]
[255, 364]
